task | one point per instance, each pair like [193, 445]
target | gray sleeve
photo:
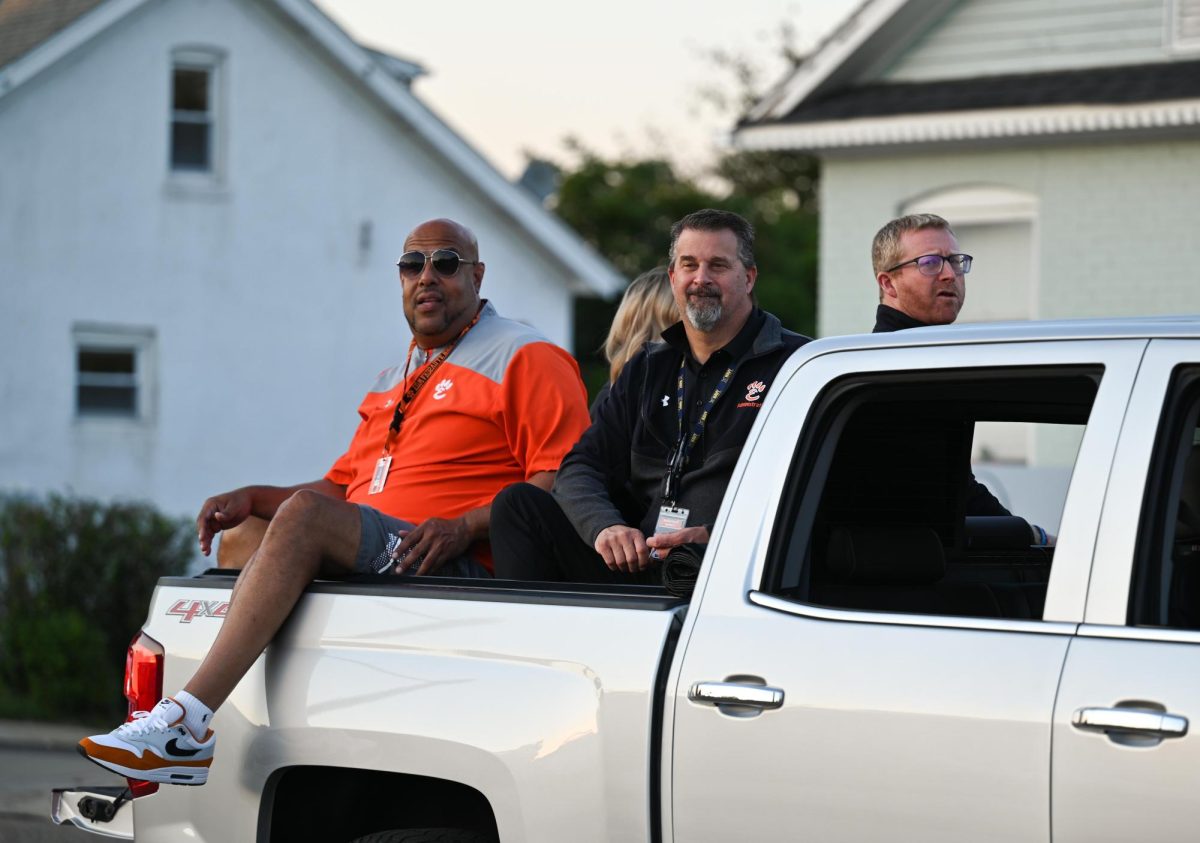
[600, 460]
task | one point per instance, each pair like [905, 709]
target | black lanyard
[683, 448]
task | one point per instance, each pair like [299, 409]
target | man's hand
[221, 512]
[623, 548]
[432, 544]
[663, 542]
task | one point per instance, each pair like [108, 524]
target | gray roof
[26, 23]
[1092, 86]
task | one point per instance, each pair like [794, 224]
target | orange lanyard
[421, 379]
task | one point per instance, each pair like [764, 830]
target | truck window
[894, 506]
[1166, 590]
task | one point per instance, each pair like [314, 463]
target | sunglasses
[445, 263]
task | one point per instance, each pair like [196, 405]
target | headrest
[886, 555]
[998, 532]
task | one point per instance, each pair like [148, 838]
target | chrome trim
[1140, 633]
[736, 693]
[780, 604]
[1155, 723]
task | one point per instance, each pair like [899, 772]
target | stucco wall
[1114, 232]
[271, 317]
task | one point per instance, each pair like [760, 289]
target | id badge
[671, 519]
[381, 473]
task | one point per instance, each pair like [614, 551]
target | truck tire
[424, 835]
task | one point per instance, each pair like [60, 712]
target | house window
[194, 111]
[1185, 24]
[112, 368]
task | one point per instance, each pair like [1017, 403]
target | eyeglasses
[931, 265]
[445, 263]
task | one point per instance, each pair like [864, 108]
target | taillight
[143, 689]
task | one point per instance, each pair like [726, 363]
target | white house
[201, 205]
[1061, 138]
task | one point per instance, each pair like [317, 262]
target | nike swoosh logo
[173, 748]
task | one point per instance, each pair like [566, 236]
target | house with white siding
[201, 206]
[1061, 139]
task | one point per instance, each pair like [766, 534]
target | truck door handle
[736, 693]
[1156, 724]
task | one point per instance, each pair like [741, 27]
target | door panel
[1123, 785]
[894, 726]
[886, 732]
[1126, 786]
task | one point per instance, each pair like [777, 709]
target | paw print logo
[755, 390]
[439, 391]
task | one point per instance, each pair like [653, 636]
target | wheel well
[339, 804]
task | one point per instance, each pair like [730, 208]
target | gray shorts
[381, 535]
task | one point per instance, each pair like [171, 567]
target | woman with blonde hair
[646, 310]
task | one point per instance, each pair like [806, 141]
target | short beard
[704, 312]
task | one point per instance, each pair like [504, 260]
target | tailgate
[541, 700]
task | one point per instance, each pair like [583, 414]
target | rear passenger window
[932, 493]
[1166, 589]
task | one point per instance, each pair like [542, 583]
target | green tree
[625, 206]
[76, 577]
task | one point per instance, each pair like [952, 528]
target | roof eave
[866, 41]
[78, 32]
[563, 244]
[1064, 121]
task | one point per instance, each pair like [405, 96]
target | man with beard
[669, 433]
[920, 272]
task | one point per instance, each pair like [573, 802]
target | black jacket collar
[889, 319]
[735, 349]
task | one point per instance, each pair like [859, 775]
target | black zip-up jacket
[980, 500]
[623, 456]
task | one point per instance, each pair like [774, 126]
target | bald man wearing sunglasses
[479, 403]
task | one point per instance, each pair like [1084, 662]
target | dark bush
[76, 577]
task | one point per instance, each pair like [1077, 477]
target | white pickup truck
[862, 659]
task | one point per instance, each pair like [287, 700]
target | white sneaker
[155, 746]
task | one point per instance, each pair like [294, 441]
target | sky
[621, 76]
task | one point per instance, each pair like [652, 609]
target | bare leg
[310, 534]
[236, 546]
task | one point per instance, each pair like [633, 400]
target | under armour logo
[666, 400]
[439, 391]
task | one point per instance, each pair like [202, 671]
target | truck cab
[864, 655]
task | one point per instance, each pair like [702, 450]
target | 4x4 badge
[188, 609]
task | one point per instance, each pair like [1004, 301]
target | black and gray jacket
[615, 473]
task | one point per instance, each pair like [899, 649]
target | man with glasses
[920, 272]
[922, 281]
[481, 402]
